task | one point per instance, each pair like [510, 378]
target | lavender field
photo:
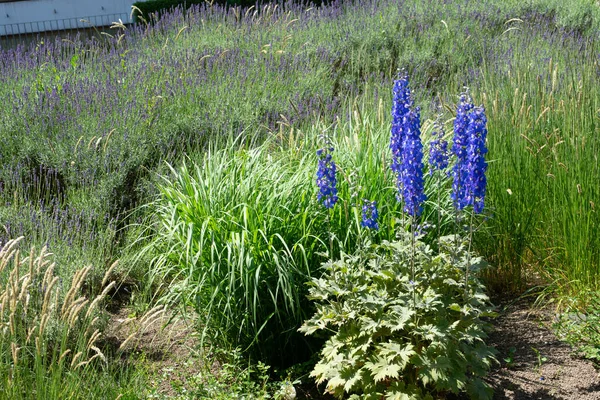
[199, 131]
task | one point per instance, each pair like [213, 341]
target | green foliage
[540, 359]
[233, 379]
[579, 325]
[146, 8]
[84, 127]
[510, 357]
[400, 337]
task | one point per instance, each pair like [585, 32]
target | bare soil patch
[542, 367]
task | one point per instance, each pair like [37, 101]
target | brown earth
[542, 367]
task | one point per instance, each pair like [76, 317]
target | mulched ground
[542, 367]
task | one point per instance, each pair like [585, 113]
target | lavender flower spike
[326, 179]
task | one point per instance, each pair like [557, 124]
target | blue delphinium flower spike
[401, 106]
[369, 215]
[411, 175]
[459, 149]
[326, 179]
[476, 181]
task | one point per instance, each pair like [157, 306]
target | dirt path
[542, 367]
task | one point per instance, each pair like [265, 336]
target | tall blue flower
[326, 180]
[459, 149]
[476, 181]
[401, 106]
[369, 215]
[438, 149]
[410, 179]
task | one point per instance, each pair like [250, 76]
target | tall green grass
[544, 126]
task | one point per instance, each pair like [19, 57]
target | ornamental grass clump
[404, 320]
[236, 239]
[237, 231]
[49, 331]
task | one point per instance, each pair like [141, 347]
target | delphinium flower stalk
[407, 149]
[407, 159]
[326, 182]
[369, 215]
[411, 169]
[469, 184]
[401, 106]
[476, 165]
[326, 179]
[438, 148]
[459, 149]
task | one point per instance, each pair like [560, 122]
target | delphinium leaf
[352, 378]
[396, 352]
[382, 370]
[397, 318]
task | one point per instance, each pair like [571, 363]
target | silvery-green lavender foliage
[400, 338]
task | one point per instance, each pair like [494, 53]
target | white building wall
[18, 17]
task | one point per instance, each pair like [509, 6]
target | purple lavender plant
[475, 180]
[411, 171]
[369, 215]
[326, 180]
[459, 149]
